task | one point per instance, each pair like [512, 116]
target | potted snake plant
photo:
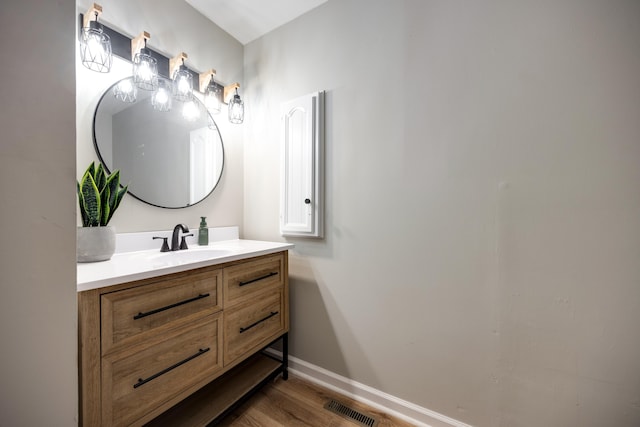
[99, 195]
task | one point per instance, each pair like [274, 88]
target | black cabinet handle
[170, 368]
[248, 282]
[158, 310]
[273, 313]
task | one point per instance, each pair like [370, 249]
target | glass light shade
[213, 97]
[95, 48]
[145, 70]
[161, 98]
[182, 84]
[190, 111]
[236, 109]
[125, 91]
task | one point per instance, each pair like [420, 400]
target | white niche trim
[302, 167]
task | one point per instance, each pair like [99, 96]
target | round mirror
[171, 159]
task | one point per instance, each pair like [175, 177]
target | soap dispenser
[203, 232]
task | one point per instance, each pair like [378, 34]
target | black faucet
[174, 238]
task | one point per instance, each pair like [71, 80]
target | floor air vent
[351, 414]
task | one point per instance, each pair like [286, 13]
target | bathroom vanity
[177, 338]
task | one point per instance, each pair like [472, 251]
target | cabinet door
[302, 175]
[131, 315]
[137, 381]
[244, 281]
[252, 325]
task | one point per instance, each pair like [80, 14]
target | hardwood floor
[295, 403]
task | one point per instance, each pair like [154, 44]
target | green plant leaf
[120, 194]
[106, 208]
[99, 195]
[83, 214]
[100, 178]
[92, 169]
[113, 183]
[90, 200]
[111, 189]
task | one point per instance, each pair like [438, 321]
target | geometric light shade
[182, 84]
[182, 79]
[145, 67]
[236, 109]
[161, 98]
[212, 93]
[125, 91]
[95, 45]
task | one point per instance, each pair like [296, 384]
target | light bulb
[190, 111]
[94, 43]
[161, 99]
[182, 84]
[144, 71]
[162, 96]
[212, 98]
[125, 91]
[125, 85]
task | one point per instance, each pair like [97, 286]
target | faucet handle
[165, 246]
[183, 243]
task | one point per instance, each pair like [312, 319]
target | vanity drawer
[251, 326]
[136, 381]
[250, 278]
[134, 314]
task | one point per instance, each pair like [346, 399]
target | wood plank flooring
[299, 403]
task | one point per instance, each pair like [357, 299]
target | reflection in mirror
[169, 159]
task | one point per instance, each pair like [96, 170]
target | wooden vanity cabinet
[181, 349]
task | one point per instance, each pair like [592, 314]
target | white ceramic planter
[95, 243]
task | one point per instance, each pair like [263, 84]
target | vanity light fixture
[236, 107]
[182, 79]
[212, 91]
[145, 67]
[95, 45]
[161, 98]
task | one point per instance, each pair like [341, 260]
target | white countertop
[129, 266]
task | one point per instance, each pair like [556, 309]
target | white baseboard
[387, 403]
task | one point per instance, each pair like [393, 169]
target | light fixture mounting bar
[229, 90]
[204, 79]
[176, 62]
[138, 43]
[94, 10]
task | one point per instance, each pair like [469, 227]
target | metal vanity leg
[285, 356]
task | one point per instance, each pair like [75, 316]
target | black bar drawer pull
[273, 313]
[248, 282]
[170, 368]
[158, 310]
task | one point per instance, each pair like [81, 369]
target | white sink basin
[186, 256]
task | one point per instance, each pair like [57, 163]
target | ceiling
[247, 20]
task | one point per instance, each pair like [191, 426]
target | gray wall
[38, 373]
[483, 212]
